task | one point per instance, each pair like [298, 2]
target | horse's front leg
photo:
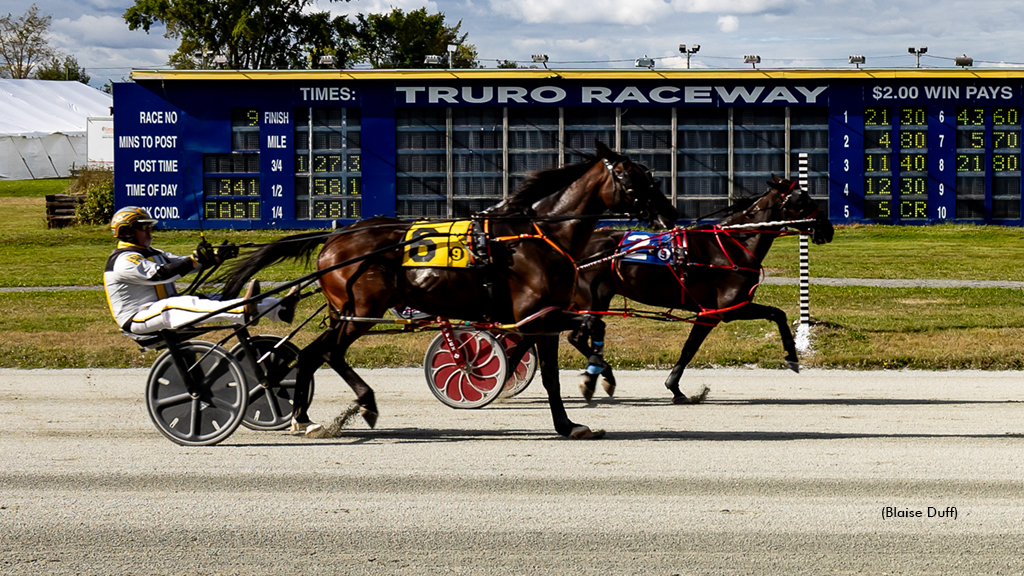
[754, 311]
[589, 340]
[547, 355]
[698, 334]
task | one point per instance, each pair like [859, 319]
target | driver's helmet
[123, 220]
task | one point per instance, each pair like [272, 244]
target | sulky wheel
[478, 381]
[213, 410]
[523, 374]
[270, 406]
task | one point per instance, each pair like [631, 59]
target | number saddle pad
[439, 244]
[647, 248]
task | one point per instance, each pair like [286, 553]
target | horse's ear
[604, 151]
[775, 179]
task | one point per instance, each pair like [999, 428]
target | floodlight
[752, 59]
[220, 59]
[857, 59]
[645, 62]
[433, 59]
[917, 52]
[327, 60]
[540, 58]
[964, 61]
[692, 50]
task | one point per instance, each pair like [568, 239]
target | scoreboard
[322, 148]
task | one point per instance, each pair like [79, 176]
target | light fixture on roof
[433, 59]
[693, 49]
[964, 61]
[220, 60]
[752, 59]
[327, 60]
[645, 62]
[917, 52]
[858, 60]
[540, 59]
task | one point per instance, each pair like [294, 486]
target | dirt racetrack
[776, 473]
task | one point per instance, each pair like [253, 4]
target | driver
[139, 281]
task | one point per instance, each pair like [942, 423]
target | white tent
[43, 125]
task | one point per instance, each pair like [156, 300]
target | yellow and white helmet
[123, 220]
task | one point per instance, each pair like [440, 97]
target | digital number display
[913, 117]
[913, 163]
[970, 162]
[333, 209]
[232, 186]
[231, 209]
[970, 117]
[328, 170]
[335, 186]
[877, 116]
[245, 118]
[878, 163]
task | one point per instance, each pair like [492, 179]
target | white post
[803, 331]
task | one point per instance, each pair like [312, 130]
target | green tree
[251, 34]
[66, 69]
[400, 40]
[23, 44]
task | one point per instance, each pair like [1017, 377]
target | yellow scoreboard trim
[703, 74]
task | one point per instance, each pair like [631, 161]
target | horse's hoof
[586, 390]
[369, 415]
[793, 365]
[585, 433]
[609, 386]
[681, 399]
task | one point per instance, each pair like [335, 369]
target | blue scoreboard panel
[313, 149]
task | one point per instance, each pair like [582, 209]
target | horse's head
[634, 191]
[796, 204]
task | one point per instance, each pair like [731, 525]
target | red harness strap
[541, 236]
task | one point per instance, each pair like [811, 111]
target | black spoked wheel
[271, 405]
[213, 410]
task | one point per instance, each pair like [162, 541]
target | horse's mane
[541, 185]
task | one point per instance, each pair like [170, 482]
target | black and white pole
[803, 331]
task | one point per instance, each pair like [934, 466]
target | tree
[23, 44]
[400, 40]
[251, 34]
[66, 69]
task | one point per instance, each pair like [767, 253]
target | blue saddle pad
[647, 247]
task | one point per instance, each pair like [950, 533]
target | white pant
[176, 311]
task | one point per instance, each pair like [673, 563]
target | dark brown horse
[535, 238]
[714, 273]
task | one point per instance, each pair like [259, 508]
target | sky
[613, 34]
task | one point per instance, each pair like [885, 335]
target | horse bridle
[625, 183]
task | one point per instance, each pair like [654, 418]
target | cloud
[732, 6]
[107, 32]
[728, 23]
[631, 12]
[371, 6]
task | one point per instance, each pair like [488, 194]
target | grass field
[860, 327]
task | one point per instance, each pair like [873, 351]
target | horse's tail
[289, 247]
